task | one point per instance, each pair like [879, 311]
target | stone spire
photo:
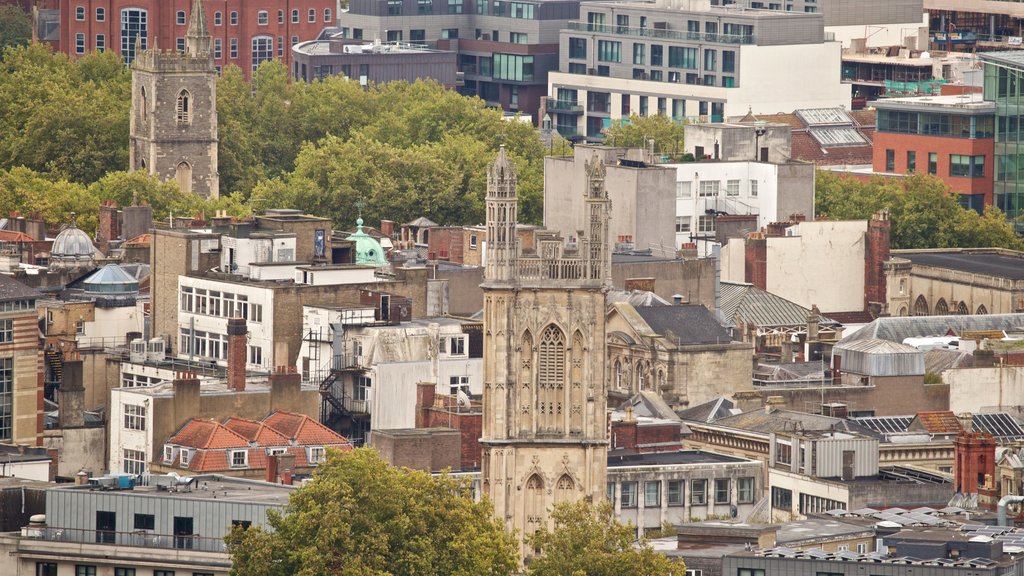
[197, 39]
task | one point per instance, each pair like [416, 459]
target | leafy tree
[638, 131]
[362, 517]
[589, 541]
[923, 211]
[29, 192]
[15, 26]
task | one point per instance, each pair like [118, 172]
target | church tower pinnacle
[197, 38]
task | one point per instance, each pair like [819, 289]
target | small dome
[368, 249]
[72, 244]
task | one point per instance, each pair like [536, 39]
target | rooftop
[963, 103]
[899, 328]
[689, 324]
[1012, 58]
[204, 487]
[11, 289]
[1002, 264]
[760, 308]
[669, 458]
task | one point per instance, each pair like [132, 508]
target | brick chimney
[425, 394]
[186, 397]
[387, 228]
[876, 253]
[71, 395]
[108, 228]
[236, 353]
[755, 270]
[285, 388]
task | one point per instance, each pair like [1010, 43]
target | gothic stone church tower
[544, 423]
[174, 112]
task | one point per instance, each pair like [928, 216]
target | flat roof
[962, 103]
[207, 487]
[323, 48]
[1006, 264]
[677, 457]
[885, 59]
[1014, 58]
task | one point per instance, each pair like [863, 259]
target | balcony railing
[136, 539]
[348, 362]
[569, 106]
[356, 406]
[662, 34]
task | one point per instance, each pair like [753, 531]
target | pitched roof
[13, 236]
[936, 422]
[685, 324]
[790, 420]
[302, 429]
[899, 328]
[11, 289]
[257, 432]
[709, 411]
[806, 148]
[208, 434]
[760, 308]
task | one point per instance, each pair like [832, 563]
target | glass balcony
[662, 34]
[565, 106]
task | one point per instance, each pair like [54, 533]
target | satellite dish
[463, 399]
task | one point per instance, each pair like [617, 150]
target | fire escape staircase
[55, 364]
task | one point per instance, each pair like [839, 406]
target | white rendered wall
[774, 79]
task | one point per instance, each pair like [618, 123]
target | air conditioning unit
[155, 349]
[137, 350]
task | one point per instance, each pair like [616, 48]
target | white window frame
[753, 188]
[233, 458]
[732, 188]
[133, 461]
[457, 346]
[180, 18]
[317, 454]
[185, 457]
[706, 224]
[80, 43]
[80, 13]
[168, 454]
[7, 330]
[101, 14]
[135, 417]
[262, 18]
[312, 16]
[683, 223]
[708, 188]
[457, 383]
[684, 189]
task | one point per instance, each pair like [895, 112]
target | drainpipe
[1001, 507]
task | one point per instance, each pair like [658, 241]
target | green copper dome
[368, 250]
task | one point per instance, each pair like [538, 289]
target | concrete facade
[642, 194]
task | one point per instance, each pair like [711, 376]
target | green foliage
[15, 26]
[588, 541]
[362, 517]
[932, 378]
[638, 131]
[404, 150]
[68, 119]
[923, 211]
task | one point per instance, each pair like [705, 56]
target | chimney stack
[876, 254]
[285, 388]
[71, 396]
[425, 396]
[755, 269]
[236, 353]
[186, 396]
[108, 228]
[387, 228]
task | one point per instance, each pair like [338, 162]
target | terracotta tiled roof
[257, 432]
[302, 429]
[141, 239]
[208, 434]
[863, 118]
[936, 422]
[12, 236]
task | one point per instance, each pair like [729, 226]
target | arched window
[184, 107]
[578, 363]
[263, 18]
[280, 16]
[962, 309]
[179, 17]
[183, 176]
[534, 504]
[903, 311]
[143, 103]
[564, 489]
[618, 374]
[941, 308]
[920, 306]
[550, 380]
[295, 16]
[262, 50]
[982, 310]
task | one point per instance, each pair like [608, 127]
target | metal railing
[661, 33]
[347, 361]
[136, 539]
[565, 106]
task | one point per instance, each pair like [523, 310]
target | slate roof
[938, 361]
[1009, 265]
[709, 411]
[760, 308]
[787, 420]
[899, 328]
[686, 324]
[11, 289]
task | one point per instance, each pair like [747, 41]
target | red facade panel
[944, 147]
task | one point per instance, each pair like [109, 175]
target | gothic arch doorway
[183, 176]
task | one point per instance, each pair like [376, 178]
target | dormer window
[184, 107]
[316, 454]
[239, 458]
[168, 454]
[186, 458]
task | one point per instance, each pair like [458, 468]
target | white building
[706, 190]
[203, 311]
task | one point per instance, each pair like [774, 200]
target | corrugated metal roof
[874, 357]
[876, 346]
[760, 308]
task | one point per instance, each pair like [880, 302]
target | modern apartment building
[690, 60]
[245, 32]
[506, 48]
[949, 136]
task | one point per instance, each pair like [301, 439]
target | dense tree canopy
[361, 517]
[923, 211]
[589, 541]
[638, 131]
[15, 26]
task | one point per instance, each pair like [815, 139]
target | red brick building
[951, 137]
[244, 32]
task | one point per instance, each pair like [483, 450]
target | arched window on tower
[184, 107]
[183, 176]
[564, 489]
[550, 380]
[143, 103]
[535, 505]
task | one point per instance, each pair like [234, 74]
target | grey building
[373, 62]
[689, 59]
[505, 48]
[163, 525]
